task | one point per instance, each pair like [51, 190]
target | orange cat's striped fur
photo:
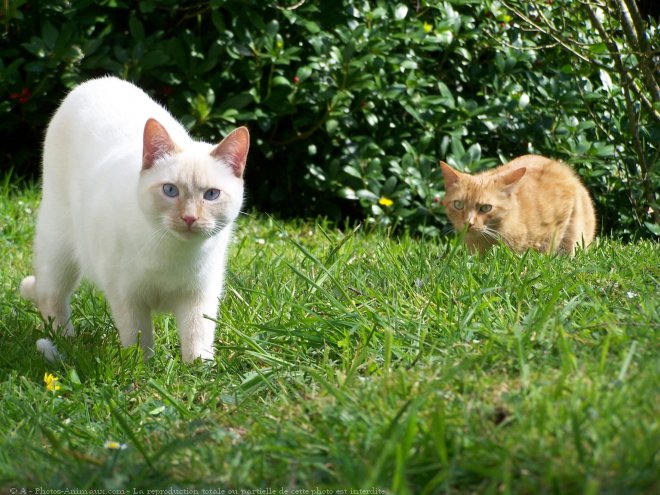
[531, 202]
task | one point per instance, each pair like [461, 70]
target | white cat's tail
[45, 346]
[28, 288]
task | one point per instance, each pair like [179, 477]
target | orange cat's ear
[510, 179]
[156, 143]
[234, 149]
[450, 175]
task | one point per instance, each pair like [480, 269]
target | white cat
[134, 204]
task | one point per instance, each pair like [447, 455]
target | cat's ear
[156, 143]
[450, 175]
[234, 149]
[510, 179]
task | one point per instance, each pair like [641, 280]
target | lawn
[349, 361]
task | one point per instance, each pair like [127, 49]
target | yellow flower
[51, 382]
[385, 201]
[112, 445]
[427, 27]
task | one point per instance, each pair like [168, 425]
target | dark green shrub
[608, 110]
[350, 104]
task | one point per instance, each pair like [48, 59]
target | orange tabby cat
[531, 202]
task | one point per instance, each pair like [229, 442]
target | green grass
[350, 360]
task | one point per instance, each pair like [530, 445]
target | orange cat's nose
[189, 220]
[470, 221]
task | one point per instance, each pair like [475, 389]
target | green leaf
[331, 126]
[350, 170]
[273, 27]
[303, 72]
[413, 111]
[218, 21]
[136, 28]
[238, 101]
[654, 228]
[400, 12]
[312, 27]
[445, 37]
[474, 153]
[201, 107]
[73, 377]
[372, 119]
[394, 91]
[157, 410]
[447, 95]
[154, 59]
[368, 195]
[49, 35]
[598, 48]
[389, 186]
[457, 148]
[147, 6]
[281, 81]
[347, 193]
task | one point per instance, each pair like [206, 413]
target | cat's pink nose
[189, 219]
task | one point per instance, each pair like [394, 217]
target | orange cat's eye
[485, 208]
[458, 205]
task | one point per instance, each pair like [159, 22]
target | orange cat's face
[475, 208]
[532, 202]
[478, 205]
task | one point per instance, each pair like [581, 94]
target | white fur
[104, 218]
[49, 350]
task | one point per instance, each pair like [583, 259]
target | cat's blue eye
[485, 208]
[170, 190]
[211, 194]
[458, 205]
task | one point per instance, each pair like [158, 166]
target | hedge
[350, 103]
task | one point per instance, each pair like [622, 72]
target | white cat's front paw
[48, 349]
[147, 353]
[68, 330]
[203, 354]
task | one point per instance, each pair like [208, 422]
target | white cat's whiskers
[154, 239]
[217, 228]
